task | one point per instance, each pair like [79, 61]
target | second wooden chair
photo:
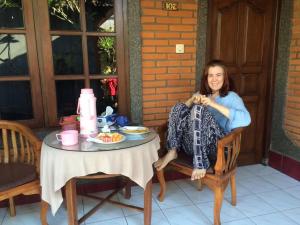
[19, 162]
[217, 177]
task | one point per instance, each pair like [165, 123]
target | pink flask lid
[86, 91]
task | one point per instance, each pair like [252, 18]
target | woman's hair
[204, 88]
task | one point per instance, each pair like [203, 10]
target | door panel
[241, 34]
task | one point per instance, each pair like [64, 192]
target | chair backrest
[18, 144]
[162, 131]
[228, 150]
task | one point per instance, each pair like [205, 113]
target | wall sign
[169, 6]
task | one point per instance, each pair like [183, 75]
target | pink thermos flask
[88, 116]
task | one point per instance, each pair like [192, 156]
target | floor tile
[137, 200]
[241, 190]
[118, 221]
[264, 196]
[3, 212]
[254, 206]
[137, 190]
[106, 212]
[61, 216]
[281, 180]
[260, 170]
[280, 200]
[171, 187]
[240, 222]
[174, 199]
[272, 219]
[158, 218]
[228, 212]
[197, 196]
[295, 191]
[187, 215]
[243, 172]
[32, 218]
[28, 208]
[257, 184]
[186, 183]
[293, 214]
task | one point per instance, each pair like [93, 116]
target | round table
[61, 165]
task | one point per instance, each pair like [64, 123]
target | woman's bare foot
[198, 174]
[162, 162]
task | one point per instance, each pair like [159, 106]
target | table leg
[71, 202]
[43, 215]
[148, 203]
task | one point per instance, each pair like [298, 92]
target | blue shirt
[238, 116]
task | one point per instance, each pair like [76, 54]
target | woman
[196, 125]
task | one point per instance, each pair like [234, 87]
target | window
[73, 44]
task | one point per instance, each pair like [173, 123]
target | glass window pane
[102, 55]
[13, 55]
[100, 15]
[67, 55]
[106, 92]
[11, 15]
[64, 14]
[15, 101]
[67, 94]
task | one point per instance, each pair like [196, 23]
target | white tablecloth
[58, 166]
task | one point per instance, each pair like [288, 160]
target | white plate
[134, 130]
[96, 140]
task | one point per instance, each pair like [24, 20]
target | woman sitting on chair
[196, 125]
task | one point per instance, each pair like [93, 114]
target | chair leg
[219, 194]
[127, 190]
[43, 213]
[199, 185]
[12, 208]
[233, 190]
[162, 184]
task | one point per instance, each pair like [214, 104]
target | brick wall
[292, 108]
[167, 77]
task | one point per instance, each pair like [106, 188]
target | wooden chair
[19, 162]
[216, 178]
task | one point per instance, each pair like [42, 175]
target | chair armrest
[232, 143]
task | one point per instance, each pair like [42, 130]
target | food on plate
[110, 137]
[134, 130]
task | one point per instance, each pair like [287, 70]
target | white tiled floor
[265, 196]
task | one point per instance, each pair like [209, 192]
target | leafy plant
[59, 8]
[8, 4]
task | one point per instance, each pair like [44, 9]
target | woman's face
[215, 78]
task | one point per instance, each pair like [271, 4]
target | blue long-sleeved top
[238, 116]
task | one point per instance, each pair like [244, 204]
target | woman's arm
[222, 109]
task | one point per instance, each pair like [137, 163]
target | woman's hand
[206, 100]
[197, 98]
[198, 174]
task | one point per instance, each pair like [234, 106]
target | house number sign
[170, 6]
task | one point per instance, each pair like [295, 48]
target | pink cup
[68, 137]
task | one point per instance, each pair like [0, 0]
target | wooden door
[242, 33]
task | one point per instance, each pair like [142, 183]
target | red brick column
[167, 77]
[292, 108]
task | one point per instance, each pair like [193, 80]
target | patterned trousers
[195, 131]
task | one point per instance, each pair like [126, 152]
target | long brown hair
[204, 88]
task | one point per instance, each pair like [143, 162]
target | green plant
[8, 4]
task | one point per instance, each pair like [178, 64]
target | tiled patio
[265, 196]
